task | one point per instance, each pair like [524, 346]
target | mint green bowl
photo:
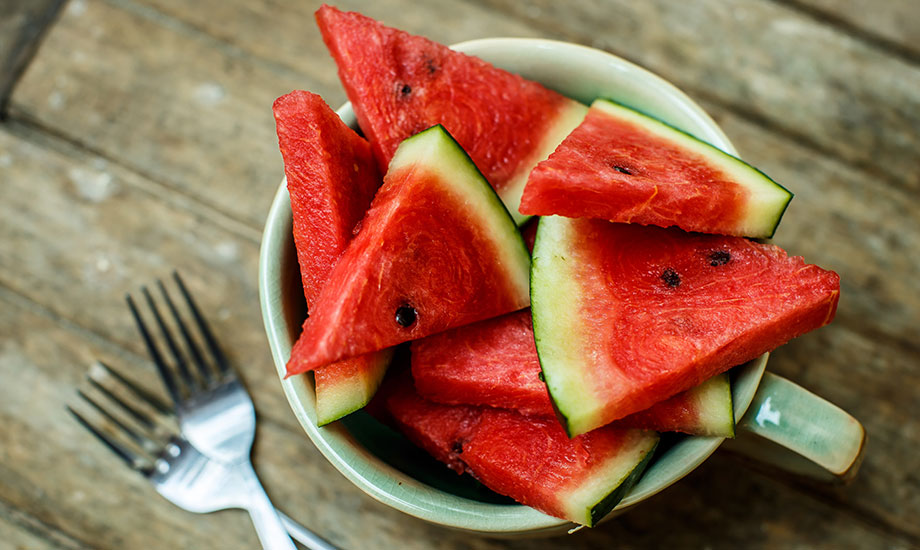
[382, 464]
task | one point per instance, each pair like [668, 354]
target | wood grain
[174, 107]
[140, 139]
[298, 45]
[892, 26]
[22, 23]
[85, 280]
[22, 532]
[811, 82]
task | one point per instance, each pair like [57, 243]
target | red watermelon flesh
[438, 429]
[625, 315]
[494, 363]
[400, 84]
[529, 459]
[436, 250]
[331, 179]
[623, 166]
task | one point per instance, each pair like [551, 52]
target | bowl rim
[391, 486]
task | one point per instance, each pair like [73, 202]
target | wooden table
[137, 137]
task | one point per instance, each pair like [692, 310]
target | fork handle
[304, 536]
[270, 530]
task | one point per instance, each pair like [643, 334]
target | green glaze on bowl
[382, 463]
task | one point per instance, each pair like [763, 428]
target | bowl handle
[791, 429]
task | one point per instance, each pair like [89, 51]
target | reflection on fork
[214, 410]
[215, 413]
[138, 428]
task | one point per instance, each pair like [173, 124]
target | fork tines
[195, 369]
[126, 425]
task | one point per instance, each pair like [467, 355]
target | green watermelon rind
[567, 388]
[567, 119]
[605, 505]
[456, 165]
[764, 217]
[347, 395]
[569, 391]
[715, 405]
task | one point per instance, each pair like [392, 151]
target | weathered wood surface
[140, 139]
[793, 74]
[890, 25]
[22, 23]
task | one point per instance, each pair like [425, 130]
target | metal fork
[134, 425]
[215, 413]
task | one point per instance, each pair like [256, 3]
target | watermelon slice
[529, 459]
[623, 166]
[437, 249]
[331, 178]
[494, 363]
[400, 84]
[626, 315]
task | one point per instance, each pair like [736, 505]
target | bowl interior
[382, 463]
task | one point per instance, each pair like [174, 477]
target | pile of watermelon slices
[543, 366]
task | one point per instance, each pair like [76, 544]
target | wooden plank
[23, 532]
[297, 42]
[893, 25]
[22, 24]
[191, 115]
[128, 236]
[806, 80]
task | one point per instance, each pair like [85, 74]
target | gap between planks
[875, 40]
[55, 537]
[25, 44]
[27, 128]
[747, 114]
[12, 296]
[824, 495]
[194, 31]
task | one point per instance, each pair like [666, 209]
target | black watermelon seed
[541, 377]
[670, 278]
[406, 89]
[457, 447]
[719, 257]
[405, 316]
[622, 170]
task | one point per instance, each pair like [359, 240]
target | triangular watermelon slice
[623, 166]
[529, 459]
[627, 315]
[400, 84]
[494, 363]
[331, 178]
[436, 250]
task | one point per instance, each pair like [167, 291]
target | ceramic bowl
[380, 462]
